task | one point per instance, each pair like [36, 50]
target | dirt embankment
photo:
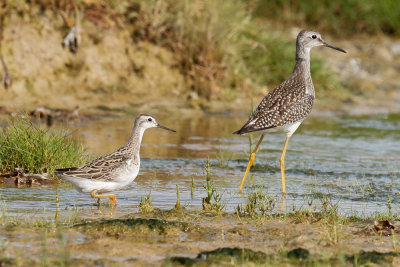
[113, 69]
[110, 68]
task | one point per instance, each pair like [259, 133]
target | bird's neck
[135, 140]
[302, 68]
[302, 60]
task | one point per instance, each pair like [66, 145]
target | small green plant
[223, 157]
[389, 204]
[4, 218]
[213, 200]
[258, 204]
[331, 219]
[178, 201]
[193, 186]
[145, 204]
[57, 207]
[33, 149]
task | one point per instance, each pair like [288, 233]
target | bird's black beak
[333, 47]
[163, 127]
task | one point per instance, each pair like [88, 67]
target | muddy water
[352, 160]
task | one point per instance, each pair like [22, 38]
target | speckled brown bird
[113, 171]
[286, 106]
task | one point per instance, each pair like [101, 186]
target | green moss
[220, 256]
[369, 257]
[136, 227]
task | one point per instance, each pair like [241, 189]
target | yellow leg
[251, 161]
[282, 205]
[282, 161]
[111, 197]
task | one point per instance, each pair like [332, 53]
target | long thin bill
[163, 127]
[334, 47]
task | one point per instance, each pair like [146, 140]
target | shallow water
[353, 160]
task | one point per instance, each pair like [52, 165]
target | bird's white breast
[288, 129]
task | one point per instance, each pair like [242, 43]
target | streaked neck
[302, 68]
[135, 140]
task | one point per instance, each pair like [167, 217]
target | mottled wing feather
[108, 161]
[297, 111]
[98, 169]
[286, 104]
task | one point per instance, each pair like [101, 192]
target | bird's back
[288, 103]
[102, 168]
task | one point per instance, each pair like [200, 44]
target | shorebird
[113, 171]
[286, 106]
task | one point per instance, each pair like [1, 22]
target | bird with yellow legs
[289, 104]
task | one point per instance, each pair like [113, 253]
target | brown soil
[112, 70]
[197, 238]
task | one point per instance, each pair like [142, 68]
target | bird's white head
[309, 39]
[146, 121]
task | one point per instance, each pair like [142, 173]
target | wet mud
[198, 238]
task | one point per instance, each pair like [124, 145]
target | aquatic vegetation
[33, 149]
[213, 200]
[192, 187]
[389, 205]
[145, 204]
[258, 203]
[223, 157]
[4, 218]
[331, 220]
[135, 227]
[178, 201]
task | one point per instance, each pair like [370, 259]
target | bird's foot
[113, 200]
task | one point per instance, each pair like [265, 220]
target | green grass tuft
[146, 204]
[36, 150]
[213, 201]
[258, 204]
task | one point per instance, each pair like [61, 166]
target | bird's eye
[314, 37]
[149, 119]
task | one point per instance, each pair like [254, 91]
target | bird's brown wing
[99, 169]
[287, 103]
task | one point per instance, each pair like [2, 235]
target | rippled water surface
[353, 160]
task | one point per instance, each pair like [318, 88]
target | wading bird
[286, 106]
[113, 171]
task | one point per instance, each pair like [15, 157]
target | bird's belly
[288, 129]
[89, 185]
[120, 179]
[127, 175]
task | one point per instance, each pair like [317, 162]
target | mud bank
[196, 238]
